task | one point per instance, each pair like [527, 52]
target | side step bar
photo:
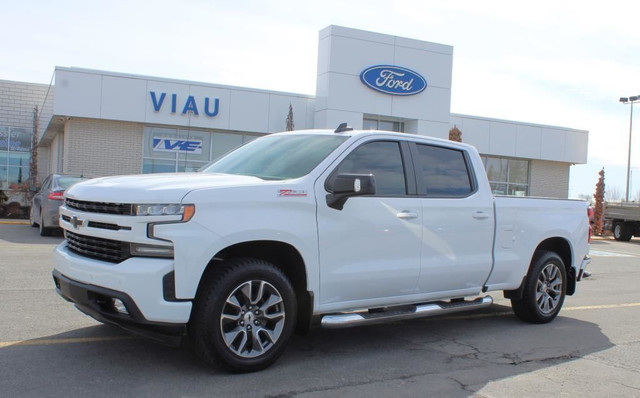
[346, 320]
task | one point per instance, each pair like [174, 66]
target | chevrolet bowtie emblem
[76, 222]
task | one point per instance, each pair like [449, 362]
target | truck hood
[153, 188]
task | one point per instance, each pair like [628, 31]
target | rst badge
[394, 80]
[292, 192]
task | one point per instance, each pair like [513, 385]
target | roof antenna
[342, 128]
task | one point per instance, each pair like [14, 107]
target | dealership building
[101, 123]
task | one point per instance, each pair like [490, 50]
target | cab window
[383, 159]
[443, 172]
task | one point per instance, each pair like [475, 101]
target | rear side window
[65, 182]
[46, 184]
[382, 159]
[443, 171]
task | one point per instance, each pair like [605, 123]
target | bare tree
[586, 198]
[613, 194]
[455, 134]
[33, 162]
[598, 211]
[290, 125]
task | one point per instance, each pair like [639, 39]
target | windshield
[277, 157]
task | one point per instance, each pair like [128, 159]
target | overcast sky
[563, 63]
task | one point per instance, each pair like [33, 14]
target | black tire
[544, 290]
[257, 329]
[622, 232]
[44, 231]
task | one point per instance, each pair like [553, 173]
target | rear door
[370, 249]
[457, 221]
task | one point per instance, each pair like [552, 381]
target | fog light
[143, 250]
[120, 307]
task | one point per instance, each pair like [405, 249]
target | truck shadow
[443, 356]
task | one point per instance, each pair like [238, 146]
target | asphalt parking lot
[48, 348]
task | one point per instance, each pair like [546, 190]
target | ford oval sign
[394, 80]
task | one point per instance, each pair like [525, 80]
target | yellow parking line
[601, 307]
[4, 344]
[37, 342]
[17, 222]
[508, 313]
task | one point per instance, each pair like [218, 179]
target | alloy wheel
[252, 318]
[549, 288]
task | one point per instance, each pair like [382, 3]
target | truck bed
[628, 211]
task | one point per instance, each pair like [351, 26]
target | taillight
[55, 195]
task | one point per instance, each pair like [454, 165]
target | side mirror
[344, 186]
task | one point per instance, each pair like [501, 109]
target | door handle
[480, 215]
[405, 215]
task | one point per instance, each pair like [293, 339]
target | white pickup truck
[350, 227]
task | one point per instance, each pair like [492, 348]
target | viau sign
[394, 80]
[160, 100]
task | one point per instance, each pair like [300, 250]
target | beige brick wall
[102, 147]
[17, 102]
[549, 179]
[56, 153]
[44, 163]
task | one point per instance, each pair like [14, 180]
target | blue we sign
[161, 144]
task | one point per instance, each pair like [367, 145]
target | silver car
[45, 203]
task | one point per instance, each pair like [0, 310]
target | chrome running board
[346, 320]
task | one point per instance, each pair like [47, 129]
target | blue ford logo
[394, 80]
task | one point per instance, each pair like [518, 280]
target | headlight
[165, 209]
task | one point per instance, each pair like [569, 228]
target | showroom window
[507, 176]
[15, 154]
[386, 125]
[169, 150]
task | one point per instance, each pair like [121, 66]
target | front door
[371, 248]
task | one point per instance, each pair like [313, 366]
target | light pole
[629, 100]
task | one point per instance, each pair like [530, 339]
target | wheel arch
[282, 255]
[562, 248]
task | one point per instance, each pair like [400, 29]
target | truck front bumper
[133, 294]
[116, 308]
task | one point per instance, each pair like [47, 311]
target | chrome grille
[101, 225]
[113, 251]
[124, 209]
[104, 225]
